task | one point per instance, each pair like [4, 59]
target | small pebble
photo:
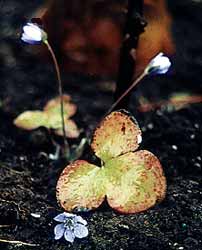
[22, 158]
[198, 158]
[194, 182]
[197, 165]
[184, 225]
[37, 216]
[196, 125]
[192, 136]
[124, 226]
[159, 112]
[174, 147]
[150, 126]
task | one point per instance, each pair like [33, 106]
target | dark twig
[17, 242]
[134, 26]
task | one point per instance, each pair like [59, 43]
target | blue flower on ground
[160, 64]
[33, 34]
[72, 226]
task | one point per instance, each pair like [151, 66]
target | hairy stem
[60, 89]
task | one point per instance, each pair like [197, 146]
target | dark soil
[28, 178]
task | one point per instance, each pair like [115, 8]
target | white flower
[160, 64]
[33, 34]
[71, 226]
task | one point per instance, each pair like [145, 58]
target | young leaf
[51, 118]
[118, 133]
[53, 106]
[30, 120]
[70, 128]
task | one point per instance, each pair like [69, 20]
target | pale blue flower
[72, 226]
[33, 34]
[160, 64]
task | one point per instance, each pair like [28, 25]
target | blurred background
[87, 36]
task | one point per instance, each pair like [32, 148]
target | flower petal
[59, 231]
[79, 219]
[27, 39]
[158, 65]
[69, 236]
[63, 216]
[69, 215]
[80, 231]
[60, 217]
[33, 31]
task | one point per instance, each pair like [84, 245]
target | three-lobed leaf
[130, 181]
[50, 118]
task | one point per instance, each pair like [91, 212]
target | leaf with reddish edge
[53, 106]
[30, 120]
[131, 181]
[81, 186]
[117, 134]
[135, 182]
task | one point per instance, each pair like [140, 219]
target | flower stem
[60, 89]
[127, 91]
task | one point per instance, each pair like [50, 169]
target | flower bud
[158, 65]
[33, 34]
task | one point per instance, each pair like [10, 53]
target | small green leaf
[53, 106]
[71, 129]
[31, 120]
[51, 118]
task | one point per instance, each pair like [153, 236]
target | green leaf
[81, 186]
[135, 182]
[71, 129]
[51, 118]
[30, 120]
[53, 106]
[132, 183]
[117, 134]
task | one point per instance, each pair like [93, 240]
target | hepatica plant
[131, 180]
[50, 118]
[33, 34]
